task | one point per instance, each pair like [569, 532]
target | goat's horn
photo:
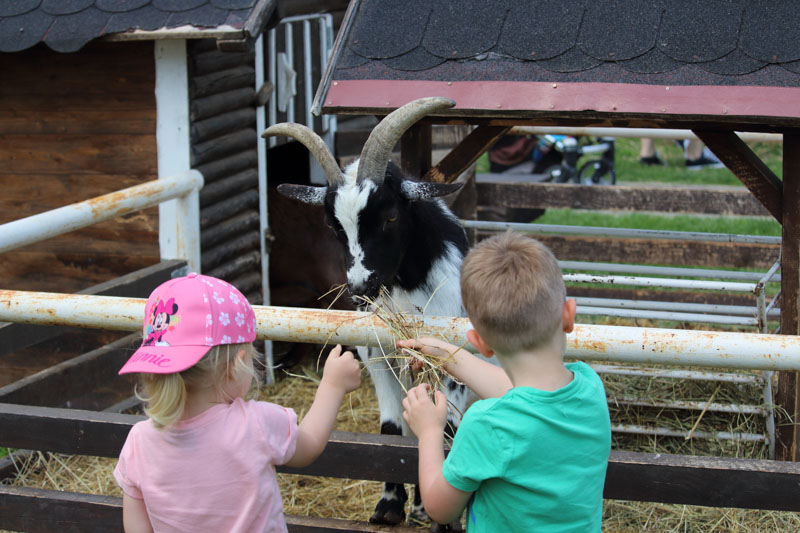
[378, 148]
[313, 142]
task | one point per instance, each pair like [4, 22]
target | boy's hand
[421, 414]
[428, 345]
[342, 370]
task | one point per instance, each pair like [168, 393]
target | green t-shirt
[536, 460]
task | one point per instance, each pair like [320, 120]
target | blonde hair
[513, 291]
[165, 395]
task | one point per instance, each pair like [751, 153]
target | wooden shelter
[98, 96]
[713, 67]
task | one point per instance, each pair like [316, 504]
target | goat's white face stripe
[351, 199]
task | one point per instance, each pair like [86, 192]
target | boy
[532, 455]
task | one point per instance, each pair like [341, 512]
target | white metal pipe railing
[666, 432]
[653, 133]
[678, 272]
[685, 307]
[752, 351]
[563, 229]
[694, 375]
[79, 215]
[661, 282]
[667, 315]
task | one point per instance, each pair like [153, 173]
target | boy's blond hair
[513, 291]
[164, 395]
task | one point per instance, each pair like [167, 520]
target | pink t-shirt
[213, 472]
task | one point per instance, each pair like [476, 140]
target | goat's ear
[422, 190]
[303, 193]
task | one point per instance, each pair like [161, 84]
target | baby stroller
[556, 157]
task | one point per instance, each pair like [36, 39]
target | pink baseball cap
[184, 318]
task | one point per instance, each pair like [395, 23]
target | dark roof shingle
[67, 25]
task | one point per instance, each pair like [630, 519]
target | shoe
[651, 160]
[703, 162]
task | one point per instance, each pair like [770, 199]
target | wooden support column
[788, 425]
[746, 166]
[466, 153]
[415, 150]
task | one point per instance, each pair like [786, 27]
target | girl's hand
[422, 415]
[342, 370]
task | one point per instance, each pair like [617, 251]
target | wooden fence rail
[690, 480]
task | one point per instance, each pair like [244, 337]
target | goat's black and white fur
[399, 235]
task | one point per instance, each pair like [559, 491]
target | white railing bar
[653, 133]
[695, 375]
[669, 306]
[663, 432]
[754, 351]
[288, 43]
[661, 282]
[563, 229]
[689, 405]
[732, 275]
[79, 215]
[307, 83]
[664, 315]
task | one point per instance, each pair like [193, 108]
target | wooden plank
[71, 272]
[690, 480]
[137, 284]
[415, 150]
[74, 377]
[747, 166]
[787, 397]
[669, 199]
[38, 510]
[69, 431]
[41, 510]
[704, 481]
[654, 252]
[465, 154]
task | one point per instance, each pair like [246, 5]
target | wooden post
[415, 150]
[788, 430]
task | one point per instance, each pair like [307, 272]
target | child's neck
[542, 368]
[200, 401]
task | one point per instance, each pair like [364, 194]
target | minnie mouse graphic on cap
[164, 318]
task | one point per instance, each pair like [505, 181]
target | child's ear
[477, 341]
[568, 315]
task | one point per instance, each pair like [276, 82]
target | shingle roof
[731, 43]
[67, 25]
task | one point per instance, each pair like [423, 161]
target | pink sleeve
[280, 431]
[126, 472]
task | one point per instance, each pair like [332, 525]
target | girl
[205, 458]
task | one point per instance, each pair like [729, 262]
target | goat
[397, 234]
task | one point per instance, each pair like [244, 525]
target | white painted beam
[673, 347]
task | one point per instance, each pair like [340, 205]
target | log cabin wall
[223, 139]
[75, 126]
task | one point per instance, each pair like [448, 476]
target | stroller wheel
[597, 172]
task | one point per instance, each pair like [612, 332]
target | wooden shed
[100, 96]
[715, 68]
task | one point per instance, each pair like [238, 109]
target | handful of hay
[429, 369]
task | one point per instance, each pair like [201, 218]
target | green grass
[630, 170]
[706, 224]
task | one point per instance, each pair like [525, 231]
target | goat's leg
[391, 507]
